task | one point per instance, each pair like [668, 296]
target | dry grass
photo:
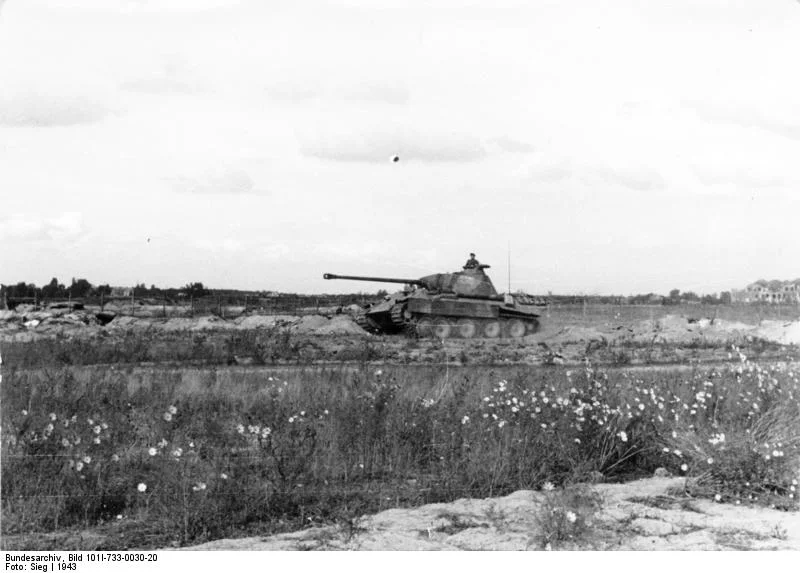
[170, 456]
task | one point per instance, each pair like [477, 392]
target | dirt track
[648, 514]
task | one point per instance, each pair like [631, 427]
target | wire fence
[216, 304]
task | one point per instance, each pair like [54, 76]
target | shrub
[566, 516]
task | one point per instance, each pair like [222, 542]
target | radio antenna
[509, 267]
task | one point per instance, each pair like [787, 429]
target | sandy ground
[26, 323]
[643, 515]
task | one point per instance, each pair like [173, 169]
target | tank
[462, 304]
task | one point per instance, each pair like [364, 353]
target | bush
[566, 515]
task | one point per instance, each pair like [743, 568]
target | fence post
[102, 300]
[245, 304]
[191, 305]
[133, 310]
[164, 305]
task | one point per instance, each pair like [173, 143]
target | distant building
[772, 292]
[121, 292]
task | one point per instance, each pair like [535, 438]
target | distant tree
[690, 297]
[195, 290]
[54, 289]
[102, 290]
[79, 288]
[382, 293]
[725, 297]
[140, 290]
[710, 299]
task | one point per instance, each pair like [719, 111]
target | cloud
[66, 227]
[357, 91]
[390, 93]
[747, 177]
[41, 109]
[551, 169]
[223, 182]
[787, 125]
[631, 176]
[548, 171]
[513, 145]
[379, 147]
[180, 5]
[173, 77]
[254, 248]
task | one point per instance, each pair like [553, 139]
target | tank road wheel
[515, 328]
[425, 327]
[534, 326]
[491, 329]
[466, 328]
[442, 328]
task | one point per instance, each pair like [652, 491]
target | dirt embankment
[673, 329]
[647, 514]
[560, 343]
[26, 323]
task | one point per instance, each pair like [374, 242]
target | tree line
[82, 288]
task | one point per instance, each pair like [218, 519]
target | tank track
[364, 322]
[398, 317]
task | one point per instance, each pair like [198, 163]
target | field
[147, 438]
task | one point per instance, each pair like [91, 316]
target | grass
[160, 456]
[566, 516]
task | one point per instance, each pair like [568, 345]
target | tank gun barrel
[329, 276]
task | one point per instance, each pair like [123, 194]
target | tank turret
[473, 283]
[461, 304]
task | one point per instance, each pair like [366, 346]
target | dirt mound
[317, 324]
[261, 321]
[129, 323]
[340, 324]
[177, 324]
[309, 324]
[640, 515]
[7, 315]
[778, 331]
[575, 334]
[211, 323]
[675, 329]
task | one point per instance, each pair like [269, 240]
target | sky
[612, 147]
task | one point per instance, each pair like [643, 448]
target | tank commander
[472, 262]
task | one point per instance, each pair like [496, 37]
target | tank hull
[450, 317]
